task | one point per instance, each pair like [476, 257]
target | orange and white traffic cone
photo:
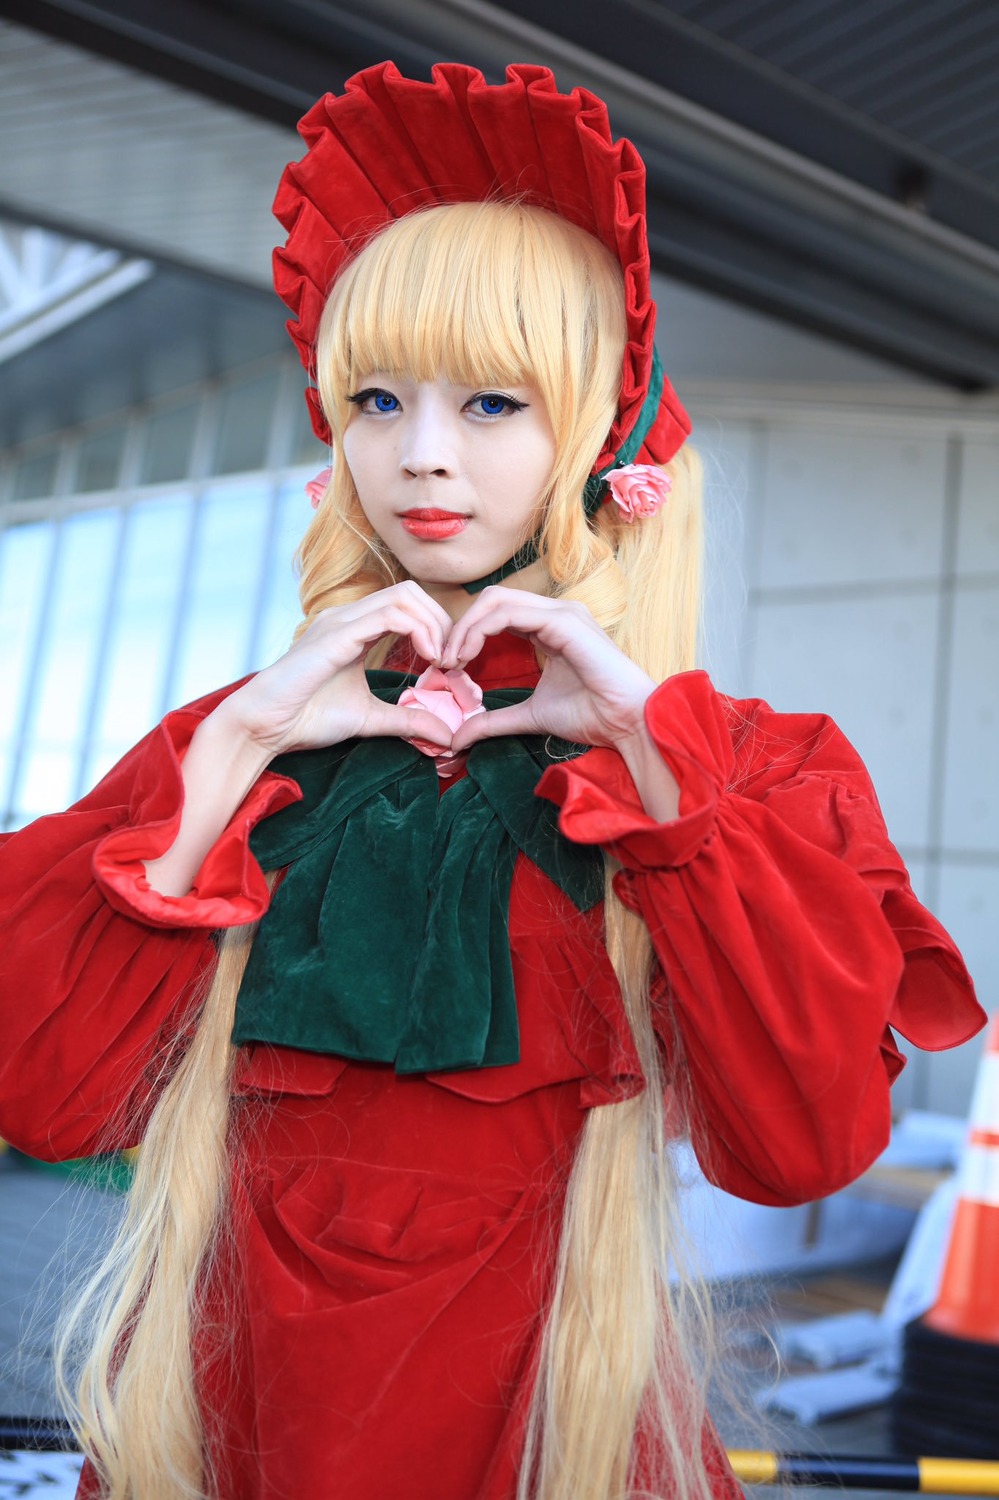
[967, 1305]
[948, 1397]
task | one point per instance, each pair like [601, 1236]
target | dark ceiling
[832, 161]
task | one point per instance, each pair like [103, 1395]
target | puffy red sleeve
[788, 936]
[98, 972]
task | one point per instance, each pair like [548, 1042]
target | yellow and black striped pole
[930, 1476]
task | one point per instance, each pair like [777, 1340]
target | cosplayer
[405, 957]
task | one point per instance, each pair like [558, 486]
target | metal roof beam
[760, 187]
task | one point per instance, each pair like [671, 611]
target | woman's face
[450, 477]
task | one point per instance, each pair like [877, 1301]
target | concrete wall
[854, 567]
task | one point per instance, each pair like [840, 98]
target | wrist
[219, 768]
[654, 781]
[228, 741]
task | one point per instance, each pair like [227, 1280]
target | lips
[433, 525]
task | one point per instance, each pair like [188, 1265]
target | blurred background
[823, 186]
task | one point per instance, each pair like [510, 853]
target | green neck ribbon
[387, 940]
[593, 490]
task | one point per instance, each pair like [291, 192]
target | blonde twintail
[134, 1404]
[629, 1336]
[620, 1403]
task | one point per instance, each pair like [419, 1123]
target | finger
[516, 719]
[415, 599]
[407, 724]
[544, 622]
[489, 615]
[408, 594]
[403, 609]
[410, 589]
[459, 653]
[395, 618]
[456, 652]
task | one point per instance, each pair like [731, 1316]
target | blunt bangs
[476, 293]
[440, 296]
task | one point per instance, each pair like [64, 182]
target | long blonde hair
[498, 292]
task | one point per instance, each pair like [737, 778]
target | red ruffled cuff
[816, 788]
[229, 888]
[599, 800]
[935, 1006]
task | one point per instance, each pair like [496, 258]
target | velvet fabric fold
[433, 990]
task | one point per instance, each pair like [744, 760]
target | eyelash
[510, 403]
[363, 397]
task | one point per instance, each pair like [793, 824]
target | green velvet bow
[387, 939]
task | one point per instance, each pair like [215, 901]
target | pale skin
[482, 455]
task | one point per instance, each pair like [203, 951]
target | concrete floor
[47, 1224]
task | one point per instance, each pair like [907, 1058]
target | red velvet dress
[393, 1236]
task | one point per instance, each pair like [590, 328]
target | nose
[428, 448]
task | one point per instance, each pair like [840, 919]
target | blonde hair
[503, 293]
[133, 1402]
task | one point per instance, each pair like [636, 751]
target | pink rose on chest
[451, 697]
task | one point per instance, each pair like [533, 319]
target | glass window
[113, 615]
[46, 782]
[63, 688]
[166, 450]
[25, 553]
[246, 411]
[280, 611]
[223, 590]
[34, 477]
[149, 597]
[98, 461]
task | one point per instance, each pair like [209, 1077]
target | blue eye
[492, 405]
[375, 400]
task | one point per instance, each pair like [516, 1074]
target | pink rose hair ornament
[638, 490]
[316, 488]
[389, 145]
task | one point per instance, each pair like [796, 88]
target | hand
[589, 691]
[314, 695]
[317, 693]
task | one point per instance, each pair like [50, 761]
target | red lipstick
[433, 525]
